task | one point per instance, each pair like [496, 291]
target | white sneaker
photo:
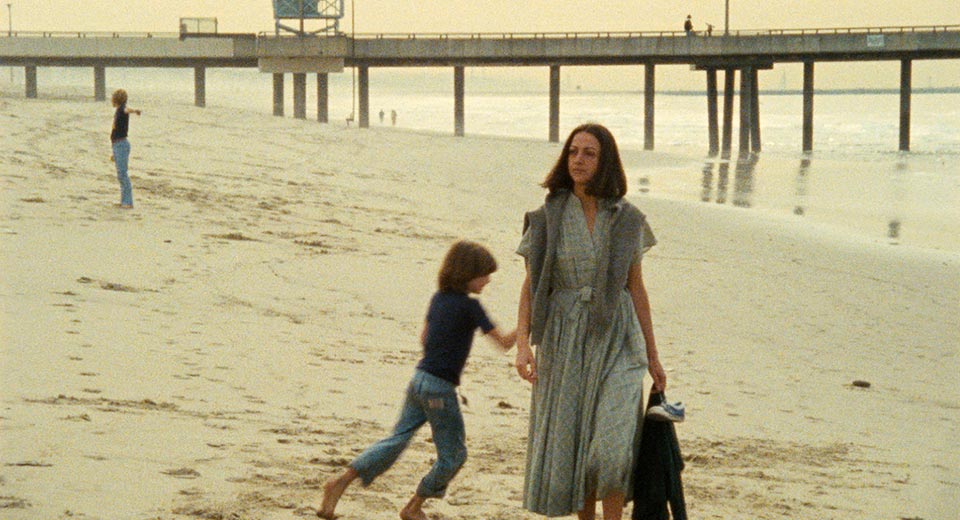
[666, 412]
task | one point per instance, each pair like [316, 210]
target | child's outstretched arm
[505, 341]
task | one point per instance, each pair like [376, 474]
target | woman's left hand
[658, 374]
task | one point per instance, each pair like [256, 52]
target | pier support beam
[906, 74]
[807, 106]
[277, 94]
[555, 103]
[649, 86]
[458, 84]
[754, 111]
[712, 129]
[323, 98]
[99, 83]
[364, 101]
[200, 86]
[30, 78]
[729, 84]
[746, 109]
[300, 95]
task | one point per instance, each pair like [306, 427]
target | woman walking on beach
[431, 397]
[584, 305]
[121, 147]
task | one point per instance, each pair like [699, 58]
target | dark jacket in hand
[656, 476]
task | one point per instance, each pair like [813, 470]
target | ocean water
[855, 181]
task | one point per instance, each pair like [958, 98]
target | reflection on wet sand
[715, 181]
[742, 180]
[896, 195]
[800, 208]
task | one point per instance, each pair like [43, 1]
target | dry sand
[248, 328]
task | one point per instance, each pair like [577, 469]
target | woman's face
[583, 158]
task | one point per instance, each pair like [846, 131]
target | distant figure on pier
[688, 26]
[381, 116]
[121, 147]
[393, 117]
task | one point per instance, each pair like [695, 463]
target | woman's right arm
[526, 362]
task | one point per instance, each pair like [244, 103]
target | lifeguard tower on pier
[326, 12]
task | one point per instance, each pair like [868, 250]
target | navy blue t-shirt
[121, 124]
[451, 321]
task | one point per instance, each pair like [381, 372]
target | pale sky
[407, 16]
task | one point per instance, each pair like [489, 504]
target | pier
[738, 54]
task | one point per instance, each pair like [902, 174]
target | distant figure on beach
[121, 147]
[431, 396]
[584, 306]
[709, 29]
[393, 117]
[688, 26]
[381, 116]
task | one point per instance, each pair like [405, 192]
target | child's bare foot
[332, 491]
[413, 515]
[413, 510]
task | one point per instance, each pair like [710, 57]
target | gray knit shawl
[613, 264]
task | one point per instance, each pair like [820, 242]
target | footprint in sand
[185, 473]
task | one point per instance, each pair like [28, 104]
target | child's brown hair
[119, 97]
[464, 261]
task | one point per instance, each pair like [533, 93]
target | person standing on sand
[583, 304]
[431, 396]
[121, 147]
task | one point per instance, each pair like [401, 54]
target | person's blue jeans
[121, 156]
[429, 399]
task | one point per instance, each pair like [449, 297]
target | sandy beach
[223, 348]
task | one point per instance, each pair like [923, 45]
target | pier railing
[509, 35]
[653, 34]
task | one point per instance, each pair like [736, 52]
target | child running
[431, 397]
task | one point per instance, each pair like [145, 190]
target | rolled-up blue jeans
[429, 399]
[121, 156]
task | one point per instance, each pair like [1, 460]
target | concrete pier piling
[906, 74]
[807, 106]
[323, 98]
[554, 103]
[277, 94]
[299, 95]
[458, 101]
[200, 86]
[99, 83]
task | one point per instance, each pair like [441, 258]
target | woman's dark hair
[610, 182]
[464, 261]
